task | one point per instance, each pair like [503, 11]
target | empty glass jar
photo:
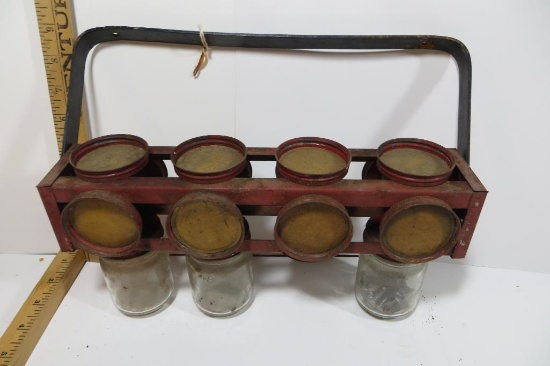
[141, 284]
[221, 287]
[388, 289]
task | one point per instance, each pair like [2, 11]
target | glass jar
[141, 284]
[388, 289]
[221, 287]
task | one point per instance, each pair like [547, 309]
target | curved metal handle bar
[87, 40]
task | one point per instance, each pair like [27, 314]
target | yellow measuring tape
[22, 335]
[57, 36]
[55, 23]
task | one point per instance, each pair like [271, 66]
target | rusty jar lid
[418, 229]
[103, 223]
[415, 162]
[206, 225]
[312, 228]
[312, 161]
[209, 159]
[109, 158]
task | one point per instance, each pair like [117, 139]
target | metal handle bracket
[90, 38]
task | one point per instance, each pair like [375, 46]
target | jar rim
[393, 263]
[222, 261]
[133, 260]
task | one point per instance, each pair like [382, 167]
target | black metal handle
[90, 38]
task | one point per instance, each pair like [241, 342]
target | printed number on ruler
[55, 24]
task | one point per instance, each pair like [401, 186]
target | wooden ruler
[57, 36]
[22, 335]
[55, 23]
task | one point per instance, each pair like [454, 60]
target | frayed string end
[203, 60]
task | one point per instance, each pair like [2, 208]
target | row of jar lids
[304, 160]
[308, 228]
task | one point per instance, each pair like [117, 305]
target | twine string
[203, 60]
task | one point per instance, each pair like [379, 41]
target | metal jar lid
[209, 159]
[415, 162]
[419, 229]
[312, 161]
[312, 228]
[103, 223]
[110, 158]
[206, 225]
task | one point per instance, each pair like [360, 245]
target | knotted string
[203, 60]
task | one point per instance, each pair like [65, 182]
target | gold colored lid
[103, 223]
[419, 231]
[209, 159]
[312, 160]
[313, 228]
[206, 226]
[412, 161]
[110, 157]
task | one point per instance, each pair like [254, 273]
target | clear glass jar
[139, 285]
[388, 289]
[221, 287]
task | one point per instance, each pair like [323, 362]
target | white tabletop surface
[302, 314]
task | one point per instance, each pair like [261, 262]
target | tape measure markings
[26, 328]
[55, 26]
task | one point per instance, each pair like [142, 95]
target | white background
[264, 98]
